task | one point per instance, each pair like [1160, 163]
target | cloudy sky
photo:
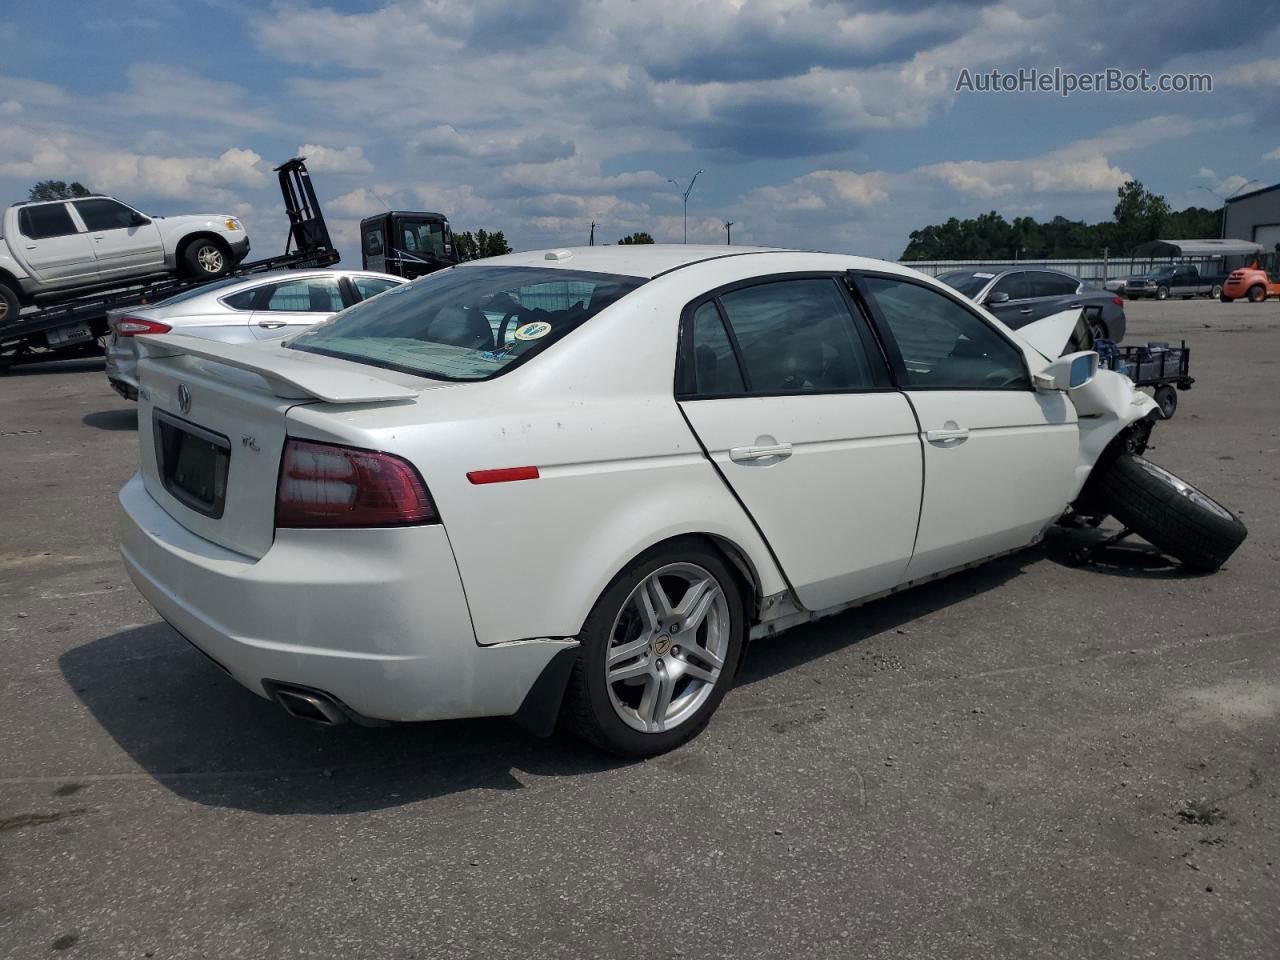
[832, 125]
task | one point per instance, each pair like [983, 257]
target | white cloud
[1272, 154]
[322, 159]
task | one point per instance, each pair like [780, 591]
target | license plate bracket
[72, 333]
[193, 463]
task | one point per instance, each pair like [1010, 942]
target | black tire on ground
[1162, 293]
[1257, 293]
[1216, 292]
[9, 303]
[206, 259]
[1170, 513]
[1166, 396]
[1224, 298]
[588, 709]
[1187, 296]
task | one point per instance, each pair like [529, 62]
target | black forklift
[407, 243]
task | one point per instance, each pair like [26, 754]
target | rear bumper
[377, 618]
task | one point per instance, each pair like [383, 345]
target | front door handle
[1025, 310]
[949, 434]
[271, 324]
[779, 451]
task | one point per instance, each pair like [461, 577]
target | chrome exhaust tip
[310, 705]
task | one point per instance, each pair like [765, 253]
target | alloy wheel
[210, 258]
[667, 647]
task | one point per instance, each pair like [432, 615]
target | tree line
[1139, 216]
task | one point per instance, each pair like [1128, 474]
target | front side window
[944, 345]
[967, 282]
[45, 221]
[467, 323]
[372, 286]
[103, 214]
[310, 295]
[797, 336]
[1014, 284]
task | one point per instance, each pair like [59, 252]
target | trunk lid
[212, 428]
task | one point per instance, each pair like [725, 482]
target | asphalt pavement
[1025, 760]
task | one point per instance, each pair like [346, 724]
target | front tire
[1257, 294]
[1162, 293]
[659, 651]
[1216, 292]
[206, 259]
[1170, 513]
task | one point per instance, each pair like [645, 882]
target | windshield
[966, 282]
[466, 323]
[422, 238]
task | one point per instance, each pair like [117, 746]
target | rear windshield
[466, 323]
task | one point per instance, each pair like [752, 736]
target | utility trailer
[407, 243]
[75, 327]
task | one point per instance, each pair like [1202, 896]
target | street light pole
[685, 196]
[728, 233]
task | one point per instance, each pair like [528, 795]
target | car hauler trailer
[74, 327]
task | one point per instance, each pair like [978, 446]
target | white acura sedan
[571, 485]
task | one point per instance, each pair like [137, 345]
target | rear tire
[10, 305]
[206, 259]
[1216, 292]
[1225, 299]
[665, 683]
[1170, 513]
[1257, 293]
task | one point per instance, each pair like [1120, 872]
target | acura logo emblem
[184, 398]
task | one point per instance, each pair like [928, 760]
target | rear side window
[715, 368]
[798, 336]
[243, 300]
[312, 295]
[943, 345]
[373, 245]
[45, 221]
[467, 323]
[1044, 284]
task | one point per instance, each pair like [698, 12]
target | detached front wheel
[659, 651]
[1170, 513]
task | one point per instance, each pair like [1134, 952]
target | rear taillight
[132, 326]
[326, 485]
[1117, 301]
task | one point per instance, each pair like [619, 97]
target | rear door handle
[946, 435]
[271, 324]
[1025, 310]
[778, 451]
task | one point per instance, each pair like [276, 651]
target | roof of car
[645, 260]
[997, 269]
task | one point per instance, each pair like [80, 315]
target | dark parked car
[1022, 295]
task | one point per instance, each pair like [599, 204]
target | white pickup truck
[56, 249]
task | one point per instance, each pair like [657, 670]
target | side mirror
[138, 220]
[996, 298]
[1067, 373]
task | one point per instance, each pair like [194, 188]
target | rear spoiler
[290, 374]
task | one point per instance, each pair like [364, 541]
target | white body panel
[840, 508]
[458, 619]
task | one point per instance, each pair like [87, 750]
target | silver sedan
[267, 306]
